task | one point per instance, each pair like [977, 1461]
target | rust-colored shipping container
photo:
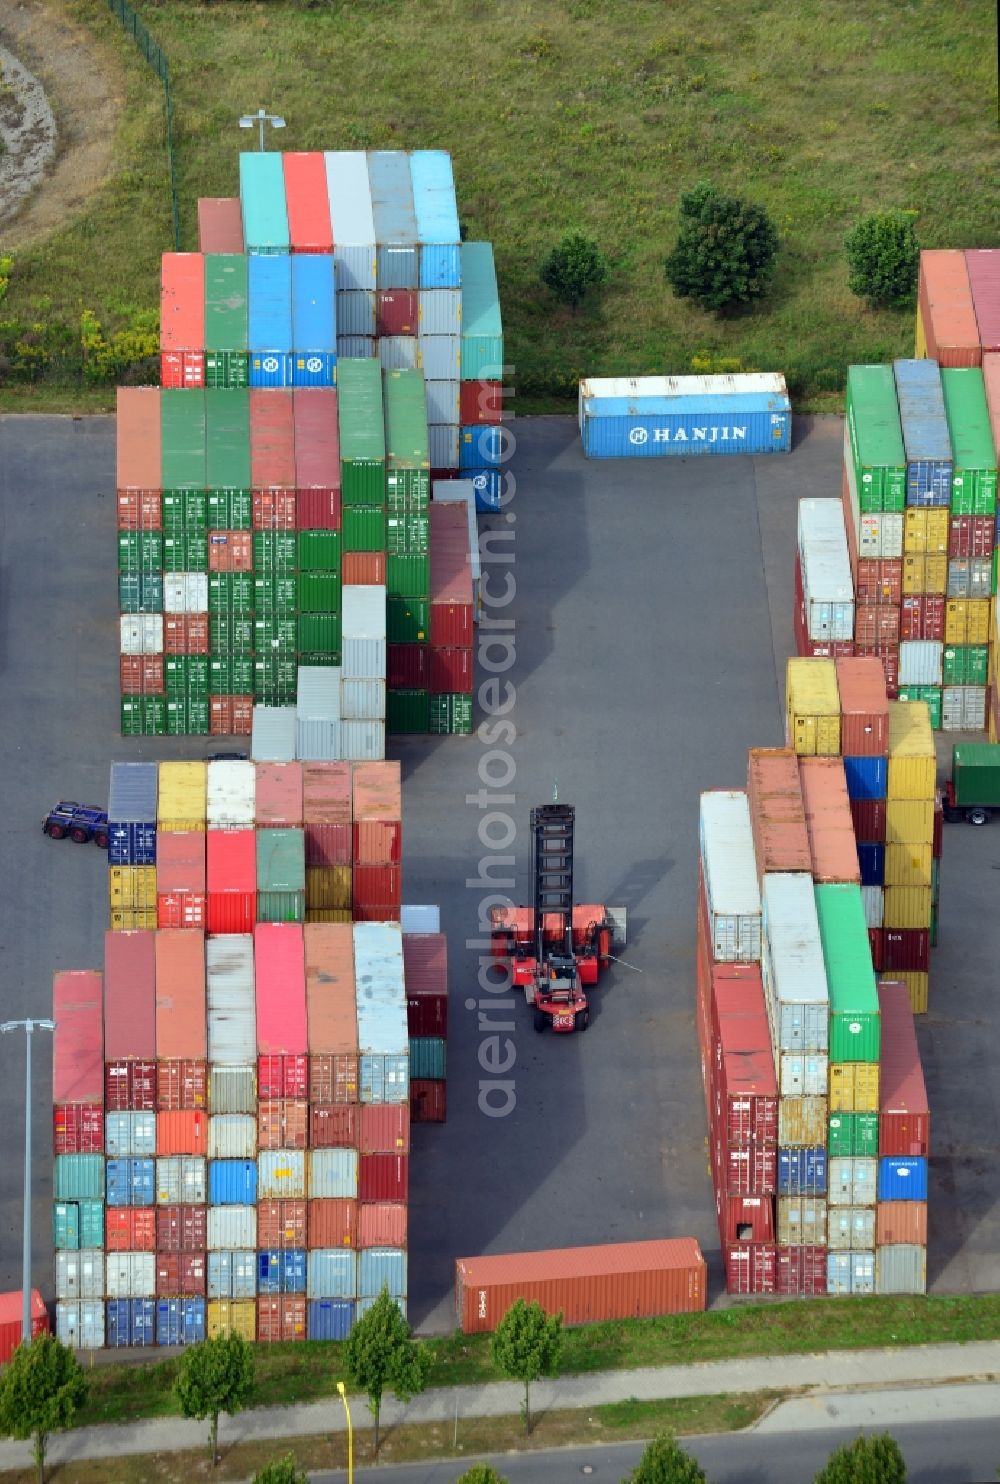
[395, 312]
[137, 428]
[332, 1224]
[744, 1103]
[377, 804]
[181, 1086]
[801, 1270]
[480, 402]
[744, 1218]
[363, 568]
[832, 841]
[880, 581]
[451, 610]
[425, 966]
[180, 1274]
[78, 1039]
[139, 510]
[384, 1128]
[140, 674]
[622, 1280]
[906, 951]
[428, 1100]
[888, 657]
[971, 535]
[317, 458]
[78, 1128]
[745, 1169]
[230, 716]
[280, 1318]
[130, 1085]
[181, 1228]
[383, 1177]
[181, 1027]
[922, 616]
[275, 510]
[781, 841]
[331, 1013]
[864, 706]
[326, 813]
[281, 1225]
[901, 1221]
[230, 551]
[376, 886]
[279, 796]
[272, 438]
[129, 996]
[220, 224]
[283, 1124]
[382, 1224]
[452, 671]
[751, 1267]
[182, 1133]
[130, 1229]
[904, 1115]
[185, 633]
[983, 267]
[944, 301]
[876, 625]
[180, 879]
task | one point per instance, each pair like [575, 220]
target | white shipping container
[318, 741]
[730, 875]
[441, 357]
[851, 1228]
[851, 1182]
[443, 405]
[363, 700]
[901, 1268]
[439, 311]
[381, 992]
[827, 582]
[181, 1180]
[880, 537]
[356, 347]
[763, 383]
[397, 352]
[362, 659]
[80, 1325]
[232, 1136]
[233, 1089]
[803, 1074]
[232, 1017]
[80, 1274]
[273, 739]
[232, 1274]
[281, 1174]
[318, 694]
[141, 633]
[442, 441]
[963, 708]
[792, 964]
[129, 1133]
[801, 1220]
[131, 1275]
[850, 1273]
[420, 919]
[349, 194]
[363, 616]
[185, 592]
[874, 904]
[231, 795]
[356, 312]
[232, 1227]
[920, 661]
[333, 1174]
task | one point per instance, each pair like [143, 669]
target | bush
[875, 1460]
[725, 250]
[883, 255]
[574, 267]
[665, 1462]
[481, 1473]
[281, 1471]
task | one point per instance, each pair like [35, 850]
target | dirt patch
[60, 101]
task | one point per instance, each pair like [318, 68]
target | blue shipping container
[78, 1177]
[926, 440]
[330, 1319]
[332, 1273]
[364, 1304]
[232, 1182]
[130, 1322]
[382, 1265]
[131, 844]
[180, 1321]
[131, 1182]
[802, 1171]
[871, 860]
[395, 221]
[901, 1178]
[658, 416]
[232, 1274]
[482, 447]
[314, 323]
[282, 1272]
[132, 793]
[436, 213]
[850, 1272]
[269, 303]
[385, 1079]
[488, 485]
[867, 777]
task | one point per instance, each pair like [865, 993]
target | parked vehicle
[81, 822]
[972, 792]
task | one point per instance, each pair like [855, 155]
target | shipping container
[182, 319]
[854, 1006]
[130, 1084]
[657, 416]
[945, 309]
[925, 432]
[362, 432]
[781, 840]
[306, 202]
[902, 1177]
[280, 1320]
[332, 1223]
[181, 1228]
[80, 1325]
[232, 881]
[282, 1270]
[851, 1181]
[281, 1224]
[281, 880]
[875, 439]
[351, 218]
[226, 328]
[795, 980]
[852, 1135]
[332, 1174]
[802, 1171]
[262, 199]
[425, 960]
[231, 1013]
[130, 1322]
[180, 1275]
[314, 328]
[395, 222]
[78, 1039]
[854, 1086]
[130, 1133]
[225, 1316]
[80, 1275]
[482, 332]
[828, 820]
[827, 584]
[436, 217]
[232, 1228]
[332, 1273]
[180, 879]
[77, 1224]
[232, 1272]
[330, 1319]
[901, 1269]
[180, 1321]
[912, 755]
[864, 707]
[129, 996]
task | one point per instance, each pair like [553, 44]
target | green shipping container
[185, 551]
[362, 435]
[935, 881]
[408, 576]
[187, 715]
[319, 633]
[184, 510]
[227, 440]
[140, 592]
[481, 350]
[974, 480]
[275, 595]
[929, 693]
[876, 439]
[281, 861]
[230, 510]
[407, 620]
[407, 451]
[428, 1057]
[363, 528]
[227, 368]
[319, 592]
[854, 1012]
[275, 635]
[308, 657]
[275, 552]
[975, 774]
[230, 634]
[186, 673]
[319, 551]
[77, 1224]
[144, 716]
[853, 1135]
[275, 679]
[182, 438]
[230, 592]
[451, 714]
[408, 712]
[230, 674]
[78, 1177]
[404, 496]
[408, 535]
[140, 551]
[965, 664]
[226, 305]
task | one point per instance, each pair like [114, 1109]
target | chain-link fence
[154, 56]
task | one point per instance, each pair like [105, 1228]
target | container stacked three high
[278, 485]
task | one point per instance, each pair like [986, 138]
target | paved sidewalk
[928, 1364]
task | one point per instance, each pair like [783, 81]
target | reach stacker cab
[81, 822]
[972, 792]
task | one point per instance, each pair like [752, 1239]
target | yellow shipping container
[906, 907]
[909, 822]
[801, 1220]
[908, 865]
[853, 1087]
[129, 920]
[917, 985]
[925, 532]
[328, 886]
[912, 755]
[967, 621]
[328, 914]
[924, 574]
[802, 1121]
[991, 722]
[132, 887]
[182, 798]
[813, 707]
[236, 1316]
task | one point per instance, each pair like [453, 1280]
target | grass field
[595, 114]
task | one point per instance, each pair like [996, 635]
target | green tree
[527, 1344]
[381, 1354]
[40, 1390]
[281, 1471]
[725, 250]
[215, 1376]
[573, 268]
[665, 1462]
[874, 1460]
[481, 1473]
[883, 256]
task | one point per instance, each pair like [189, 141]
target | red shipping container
[231, 871]
[317, 457]
[182, 368]
[382, 1224]
[944, 303]
[78, 1128]
[138, 449]
[307, 202]
[279, 795]
[230, 716]
[425, 966]
[281, 1225]
[395, 312]
[480, 402]
[377, 804]
[129, 996]
[452, 671]
[326, 811]
[139, 510]
[331, 1013]
[280, 989]
[744, 1218]
[181, 1086]
[904, 1115]
[922, 617]
[180, 1274]
[280, 1318]
[130, 1229]
[130, 1086]
[275, 510]
[377, 886]
[332, 1223]
[181, 1228]
[888, 654]
[745, 1098]
[362, 568]
[781, 841]
[751, 1267]
[452, 623]
[875, 625]
[220, 224]
[869, 820]
[319, 510]
[272, 439]
[182, 304]
[78, 1039]
[983, 267]
[428, 1101]
[333, 1077]
[971, 535]
[880, 581]
[620, 1280]
[828, 811]
[384, 1129]
[230, 551]
[140, 674]
[334, 1125]
[801, 1270]
[875, 939]
[408, 667]
[383, 1177]
[747, 1169]
[375, 911]
[283, 1123]
[180, 879]
[185, 1132]
[185, 633]
[11, 1317]
[181, 1007]
[905, 950]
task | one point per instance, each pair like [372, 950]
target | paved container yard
[651, 614]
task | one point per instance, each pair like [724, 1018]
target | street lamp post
[260, 118]
[29, 1027]
[342, 1393]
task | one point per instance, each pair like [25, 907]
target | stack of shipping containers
[376, 868]
[481, 449]
[904, 1148]
[451, 657]
[78, 1146]
[140, 562]
[912, 869]
[132, 815]
[408, 537]
[425, 963]
[439, 300]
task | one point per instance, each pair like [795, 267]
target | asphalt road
[650, 602]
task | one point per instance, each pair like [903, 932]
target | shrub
[725, 250]
[573, 268]
[883, 255]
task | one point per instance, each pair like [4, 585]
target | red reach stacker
[556, 950]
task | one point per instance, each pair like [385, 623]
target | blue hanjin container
[436, 213]
[871, 861]
[314, 320]
[330, 1319]
[802, 1171]
[131, 1182]
[482, 447]
[901, 1178]
[232, 1182]
[926, 439]
[488, 485]
[282, 1271]
[130, 1322]
[648, 417]
[867, 777]
[180, 1321]
[269, 320]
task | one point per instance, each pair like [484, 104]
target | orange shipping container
[138, 438]
[382, 1224]
[283, 1124]
[947, 314]
[829, 820]
[864, 707]
[331, 1012]
[332, 1224]
[130, 1229]
[622, 1280]
[780, 838]
[901, 1221]
[230, 551]
[180, 994]
[182, 1133]
[281, 1225]
[334, 1125]
[378, 812]
[384, 1129]
[363, 568]
[181, 1086]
